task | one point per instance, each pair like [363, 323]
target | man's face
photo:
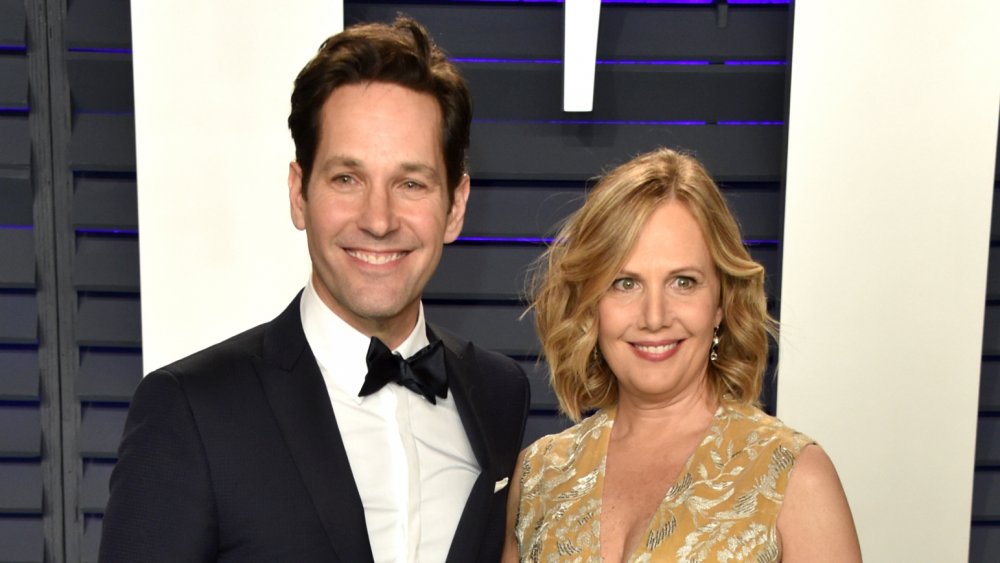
[376, 214]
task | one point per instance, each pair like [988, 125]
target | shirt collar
[340, 349]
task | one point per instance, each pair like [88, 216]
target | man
[305, 439]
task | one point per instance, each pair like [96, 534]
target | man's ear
[456, 215]
[296, 198]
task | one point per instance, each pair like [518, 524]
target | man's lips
[375, 258]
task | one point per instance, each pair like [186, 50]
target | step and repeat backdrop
[161, 129]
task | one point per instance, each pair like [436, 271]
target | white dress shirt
[411, 460]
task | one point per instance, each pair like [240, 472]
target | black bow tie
[423, 373]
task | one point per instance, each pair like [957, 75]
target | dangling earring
[713, 354]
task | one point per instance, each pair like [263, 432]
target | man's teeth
[656, 349]
[376, 258]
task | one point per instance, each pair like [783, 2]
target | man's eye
[411, 185]
[343, 179]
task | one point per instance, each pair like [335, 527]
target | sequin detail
[722, 507]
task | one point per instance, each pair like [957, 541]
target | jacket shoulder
[220, 358]
[493, 365]
[224, 373]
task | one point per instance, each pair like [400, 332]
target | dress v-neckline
[612, 414]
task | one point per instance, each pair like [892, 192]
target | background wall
[218, 250]
[892, 152]
[711, 78]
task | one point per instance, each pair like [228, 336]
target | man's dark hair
[403, 54]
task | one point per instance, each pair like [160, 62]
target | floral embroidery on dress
[722, 507]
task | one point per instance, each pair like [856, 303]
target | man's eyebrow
[419, 168]
[339, 160]
[351, 162]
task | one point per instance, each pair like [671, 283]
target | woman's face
[656, 321]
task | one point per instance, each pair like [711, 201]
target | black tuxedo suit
[234, 454]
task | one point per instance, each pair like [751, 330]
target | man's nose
[377, 215]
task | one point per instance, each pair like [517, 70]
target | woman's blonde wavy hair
[578, 268]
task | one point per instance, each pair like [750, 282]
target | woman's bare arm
[815, 522]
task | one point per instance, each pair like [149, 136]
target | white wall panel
[219, 253]
[892, 143]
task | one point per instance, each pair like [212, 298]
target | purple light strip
[750, 123]
[622, 122]
[506, 61]
[18, 109]
[664, 2]
[475, 60]
[755, 63]
[602, 1]
[543, 240]
[691, 1]
[591, 122]
[531, 240]
[16, 227]
[107, 231]
[685, 123]
[680, 63]
[14, 48]
[99, 50]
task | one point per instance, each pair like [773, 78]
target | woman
[651, 311]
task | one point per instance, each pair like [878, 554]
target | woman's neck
[659, 421]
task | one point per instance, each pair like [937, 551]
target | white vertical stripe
[212, 80]
[582, 20]
[892, 145]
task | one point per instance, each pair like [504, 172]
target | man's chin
[381, 312]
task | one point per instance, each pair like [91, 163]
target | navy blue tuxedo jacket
[233, 454]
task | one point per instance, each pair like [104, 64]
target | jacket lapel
[301, 406]
[462, 368]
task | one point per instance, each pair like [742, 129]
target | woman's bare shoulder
[815, 522]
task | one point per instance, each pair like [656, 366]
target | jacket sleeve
[161, 506]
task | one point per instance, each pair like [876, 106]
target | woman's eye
[624, 284]
[684, 282]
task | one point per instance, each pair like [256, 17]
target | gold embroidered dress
[723, 507]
